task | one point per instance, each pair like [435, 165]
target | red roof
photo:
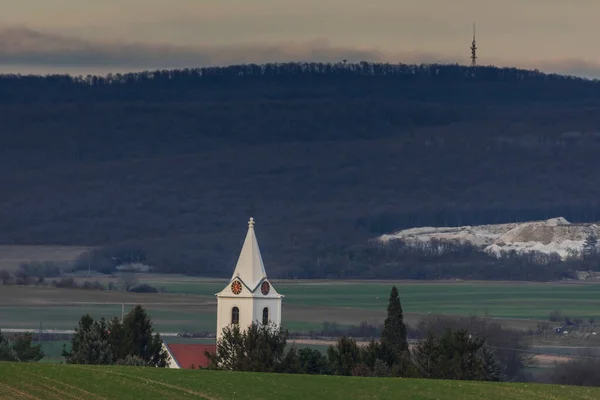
[188, 355]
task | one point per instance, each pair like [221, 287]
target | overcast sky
[81, 36]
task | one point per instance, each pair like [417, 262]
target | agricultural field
[498, 299]
[46, 381]
[502, 300]
[189, 304]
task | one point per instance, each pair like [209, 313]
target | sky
[92, 36]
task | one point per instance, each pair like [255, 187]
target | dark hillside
[323, 156]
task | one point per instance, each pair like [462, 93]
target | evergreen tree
[460, 356]
[20, 349]
[456, 355]
[138, 338]
[229, 353]
[370, 353]
[6, 353]
[312, 361]
[116, 339]
[83, 326]
[493, 369]
[426, 356]
[91, 345]
[259, 348]
[344, 356]
[380, 369]
[24, 351]
[291, 363]
[94, 348]
[393, 337]
[102, 342]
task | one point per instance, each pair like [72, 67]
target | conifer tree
[24, 351]
[94, 348]
[393, 337]
[6, 353]
[493, 369]
[427, 356]
[85, 324]
[312, 361]
[344, 356]
[99, 342]
[259, 348]
[90, 344]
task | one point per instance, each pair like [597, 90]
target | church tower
[248, 296]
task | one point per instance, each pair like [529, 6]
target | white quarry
[555, 235]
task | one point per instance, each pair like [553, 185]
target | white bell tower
[248, 296]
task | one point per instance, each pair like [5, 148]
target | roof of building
[188, 356]
[250, 268]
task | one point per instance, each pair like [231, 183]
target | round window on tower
[265, 288]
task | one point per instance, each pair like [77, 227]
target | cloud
[22, 46]
[31, 49]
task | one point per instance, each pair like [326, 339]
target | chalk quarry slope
[555, 235]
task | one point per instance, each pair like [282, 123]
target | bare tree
[128, 280]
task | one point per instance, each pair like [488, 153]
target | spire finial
[251, 223]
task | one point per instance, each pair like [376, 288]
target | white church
[248, 297]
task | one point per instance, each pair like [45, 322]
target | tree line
[307, 78]
[465, 348]
[458, 348]
[449, 354]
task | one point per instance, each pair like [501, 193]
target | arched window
[265, 315]
[235, 316]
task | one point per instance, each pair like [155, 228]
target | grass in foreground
[39, 381]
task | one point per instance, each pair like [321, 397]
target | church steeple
[249, 296]
[250, 268]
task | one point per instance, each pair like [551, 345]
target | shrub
[66, 283]
[132, 361]
[92, 285]
[144, 288]
[6, 278]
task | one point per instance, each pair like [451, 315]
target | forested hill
[324, 156]
[426, 82]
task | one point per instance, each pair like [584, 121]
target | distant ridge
[280, 69]
[310, 80]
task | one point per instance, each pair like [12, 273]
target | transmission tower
[473, 50]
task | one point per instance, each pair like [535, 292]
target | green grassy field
[45, 381]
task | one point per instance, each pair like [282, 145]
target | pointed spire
[474, 49]
[250, 268]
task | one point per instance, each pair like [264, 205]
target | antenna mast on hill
[473, 50]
